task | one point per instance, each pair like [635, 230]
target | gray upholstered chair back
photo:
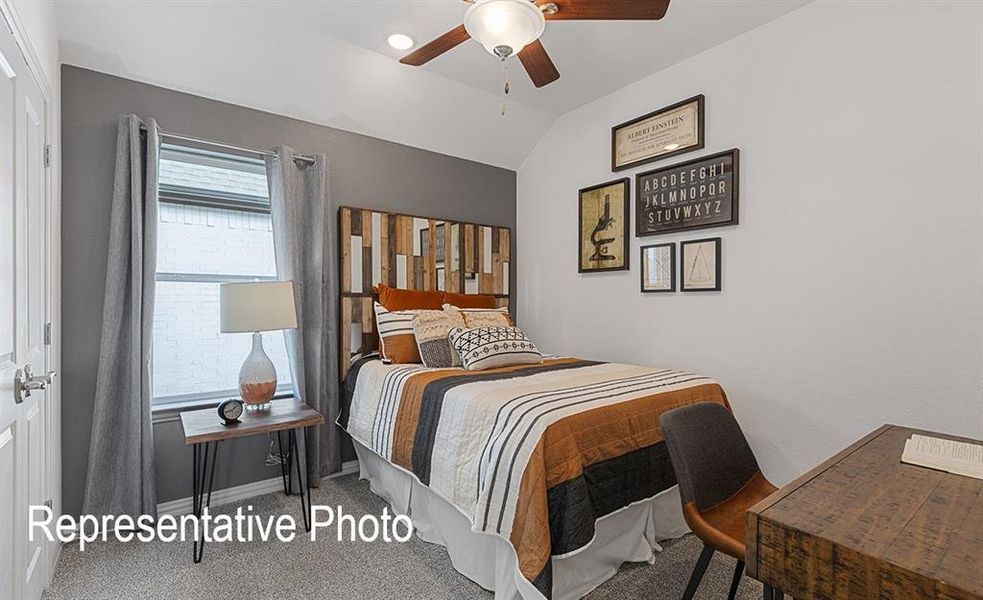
[709, 453]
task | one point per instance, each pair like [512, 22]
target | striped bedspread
[532, 453]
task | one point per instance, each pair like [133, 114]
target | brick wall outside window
[191, 356]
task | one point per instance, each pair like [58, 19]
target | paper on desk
[959, 458]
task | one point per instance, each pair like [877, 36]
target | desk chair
[719, 480]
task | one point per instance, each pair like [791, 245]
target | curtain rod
[184, 138]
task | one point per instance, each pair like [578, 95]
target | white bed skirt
[628, 535]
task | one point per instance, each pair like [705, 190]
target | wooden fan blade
[608, 10]
[430, 51]
[538, 64]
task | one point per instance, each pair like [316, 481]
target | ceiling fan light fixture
[400, 41]
[504, 27]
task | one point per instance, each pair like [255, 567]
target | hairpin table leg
[285, 467]
[305, 490]
[203, 475]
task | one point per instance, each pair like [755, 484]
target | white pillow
[489, 347]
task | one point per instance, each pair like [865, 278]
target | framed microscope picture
[604, 215]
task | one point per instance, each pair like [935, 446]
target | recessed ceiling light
[400, 41]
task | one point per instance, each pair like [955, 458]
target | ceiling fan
[507, 27]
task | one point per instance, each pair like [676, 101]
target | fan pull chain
[506, 86]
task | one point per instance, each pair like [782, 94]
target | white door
[23, 293]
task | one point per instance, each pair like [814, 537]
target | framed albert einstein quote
[666, 132]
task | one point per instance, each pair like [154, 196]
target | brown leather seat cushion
[723, 525]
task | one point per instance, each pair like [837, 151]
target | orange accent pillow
[397, 342]
[400, 299]
[401, 349]
[470, 300]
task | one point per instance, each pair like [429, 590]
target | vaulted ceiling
[328, 62]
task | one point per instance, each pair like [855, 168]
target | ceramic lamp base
[257, 396]
[257, 378]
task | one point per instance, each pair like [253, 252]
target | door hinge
[47, 155]
[47, 334]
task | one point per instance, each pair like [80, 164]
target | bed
[540, 480]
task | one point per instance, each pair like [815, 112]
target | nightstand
[204, 430]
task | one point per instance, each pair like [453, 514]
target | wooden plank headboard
[417, 253]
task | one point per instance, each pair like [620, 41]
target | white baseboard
[182, 506]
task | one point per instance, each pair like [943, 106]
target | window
[214, 227]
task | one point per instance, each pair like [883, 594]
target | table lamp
[257, 307]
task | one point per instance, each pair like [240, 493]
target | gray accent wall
[364, 172]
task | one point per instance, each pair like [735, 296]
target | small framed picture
[699, 265]
[603, 235]
[659, 268]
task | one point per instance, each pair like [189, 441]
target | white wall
[38, 18]
[852, 286]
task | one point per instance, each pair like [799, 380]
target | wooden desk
[864, 525]
[204, 430]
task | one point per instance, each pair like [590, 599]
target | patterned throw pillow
[396, 340]
[431, 329]
[488, 347]
[484, 317]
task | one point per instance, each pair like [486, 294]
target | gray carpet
[341, 571]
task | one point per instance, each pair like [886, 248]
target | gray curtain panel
[305, 253]
[121, 478]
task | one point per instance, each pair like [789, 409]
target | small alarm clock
[230, 411]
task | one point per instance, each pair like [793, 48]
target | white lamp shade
[500, 24]
[258, 306]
